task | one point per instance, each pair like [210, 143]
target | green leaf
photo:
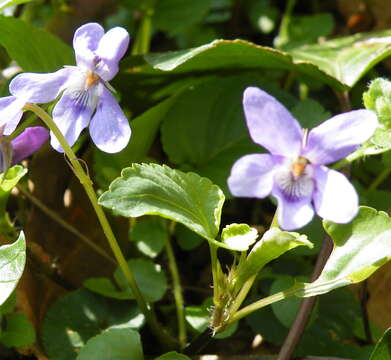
[149, 235]
[12, 177]
[12, 261]
[214, 134]
[360, 248]
[175, 16]
[150, 279]
[186, 238]
[273, 244]
[346, 59]
[158, 190]
[6, 3]
[237, 55]
[19, 331]
[285, 311]
[310, 113]
[121, 344]
[378, 99]
[105, 287]
[44, 53]
[8, 305]
[173, 355]
[382, 350]
[80, 315]
[305, 30]
[239, 236]
[144, 129]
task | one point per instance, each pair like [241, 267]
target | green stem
[262, 303]
[274, 223]
[87, 184]
[214, 264]
[380, 178]
[143, 38]
[49, 212]
[177, 289]
[283, 31]
[242, 295]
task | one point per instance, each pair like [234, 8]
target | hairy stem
[86, 182]
[177, 289]
[379, 179]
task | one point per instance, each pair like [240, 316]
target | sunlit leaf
[12, 262]
[158, 190]
[383, 347]
[360, 248]
[44, 53]
[239, 236]
[120, 344]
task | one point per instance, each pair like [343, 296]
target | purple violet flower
[294, 171]
[25, 144]
[85, 96]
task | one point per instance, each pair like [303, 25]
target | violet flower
[25, 144]
[85, 96]
[294, 171]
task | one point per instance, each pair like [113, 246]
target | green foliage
[273, 244]
[378, 99]
[239, 236]
[346, 59]
[214, 134]
[382, 350]
[44, 53]
[238, 55]
[12, 262]
[174, 16]
[149, 277]
[186, 238]
[121, 344]
[183, 197]
[19, 331]
[144, 129]
[360, 248]
[6, 3]
[76, 317]
[310, 113]
[305, 30]
[149, 235]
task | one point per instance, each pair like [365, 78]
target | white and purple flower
[294, 171]
[85, 96]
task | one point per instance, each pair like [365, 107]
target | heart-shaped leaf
[151, 189]
[360, 248]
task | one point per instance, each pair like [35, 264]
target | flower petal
[71, 117]
[252, 175]
[293, 214]
[28, 142]
[85, 42]
[109, 128]
[339, 136]
[10, 113]
[111, 49]
[39, 88]
[335, 198]
[270, 124]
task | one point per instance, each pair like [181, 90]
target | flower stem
[87, 184]
[177, 289]
[143, 38]
[214, 264]
[242, 295]
[49, 212]
[379, 179]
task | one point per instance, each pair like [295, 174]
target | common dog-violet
[294, 171]
[85, 96]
